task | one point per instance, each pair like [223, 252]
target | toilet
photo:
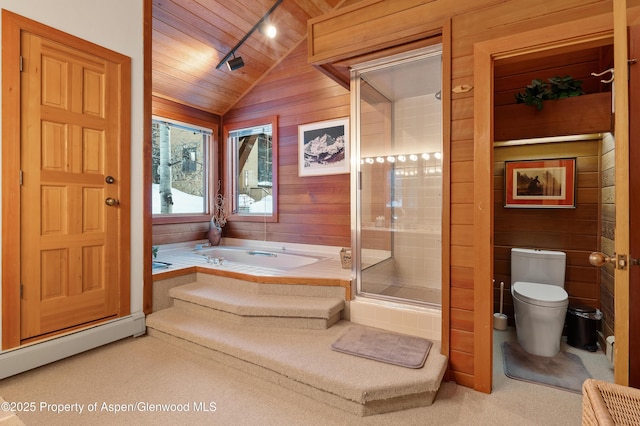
[539, 299]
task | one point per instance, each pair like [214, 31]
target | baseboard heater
[19, 360]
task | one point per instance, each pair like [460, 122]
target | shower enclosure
[397, 183]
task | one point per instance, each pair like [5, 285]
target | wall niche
[585, 114]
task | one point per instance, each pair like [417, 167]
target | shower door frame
[356, 174]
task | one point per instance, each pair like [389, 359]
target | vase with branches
[218, 218]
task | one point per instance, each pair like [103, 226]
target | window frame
[211, 173]
[228, 167]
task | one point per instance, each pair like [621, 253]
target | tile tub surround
[185, 259]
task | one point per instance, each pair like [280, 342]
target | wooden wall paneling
[312, 209]
[461, 365]
[461, 150]
[176, 111]
[462, 319]
[519, 121]
[501, 21]
[179, 232]
[343, 33]
[371, 26]
[462, 340]
[574, 231]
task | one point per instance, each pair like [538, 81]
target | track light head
[235, 63]
[267, 29]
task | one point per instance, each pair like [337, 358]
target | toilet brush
[500, 319]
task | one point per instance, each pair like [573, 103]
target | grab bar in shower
[261, 253]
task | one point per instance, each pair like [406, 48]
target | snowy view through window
[180, 163]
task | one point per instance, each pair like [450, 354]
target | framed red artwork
[540, 183]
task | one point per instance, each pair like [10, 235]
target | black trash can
[582, 325]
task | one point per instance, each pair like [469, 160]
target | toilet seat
[541, 294]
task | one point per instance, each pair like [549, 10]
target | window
[180, 168]
[252, 168]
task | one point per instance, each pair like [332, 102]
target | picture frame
[323, 148]
[540, 183]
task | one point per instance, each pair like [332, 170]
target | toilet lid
[541, 294]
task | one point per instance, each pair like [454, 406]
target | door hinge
[20, 61]
[20, 177]
[21, 290]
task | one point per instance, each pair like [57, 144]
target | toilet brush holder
[500, 319]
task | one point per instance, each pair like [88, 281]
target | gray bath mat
[384, 346]
[563, 371]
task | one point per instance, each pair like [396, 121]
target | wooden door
[621, 130]
[634, 207]
[72, 251]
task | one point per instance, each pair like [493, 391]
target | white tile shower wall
[415, 321]
[418, 250]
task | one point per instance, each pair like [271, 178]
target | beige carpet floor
[144, 372]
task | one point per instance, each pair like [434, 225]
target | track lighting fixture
[235, 63]
[264, 27]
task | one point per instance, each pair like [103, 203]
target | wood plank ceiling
[191, 37]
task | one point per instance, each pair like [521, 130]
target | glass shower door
[399, 194]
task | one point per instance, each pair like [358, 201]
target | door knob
[598, 259]
[109, 179]
[112, 201]
[619, 261]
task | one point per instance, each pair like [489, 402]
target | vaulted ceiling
[191, 37]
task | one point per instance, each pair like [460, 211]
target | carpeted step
[302, 360]
[240, 305]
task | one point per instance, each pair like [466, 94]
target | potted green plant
[554, 88]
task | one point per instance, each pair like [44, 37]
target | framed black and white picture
[323, 148]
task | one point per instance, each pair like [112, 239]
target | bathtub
[272, 259]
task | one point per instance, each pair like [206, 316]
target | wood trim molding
[483, 216]
[147, 273]
[10, 183]
[621, 96]
[227, 128]
[446, 189]
[485, 53]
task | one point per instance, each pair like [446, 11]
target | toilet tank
[538, 266]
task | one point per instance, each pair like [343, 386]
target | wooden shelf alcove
[572, 116]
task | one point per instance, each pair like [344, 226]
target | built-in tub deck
[175, 260]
